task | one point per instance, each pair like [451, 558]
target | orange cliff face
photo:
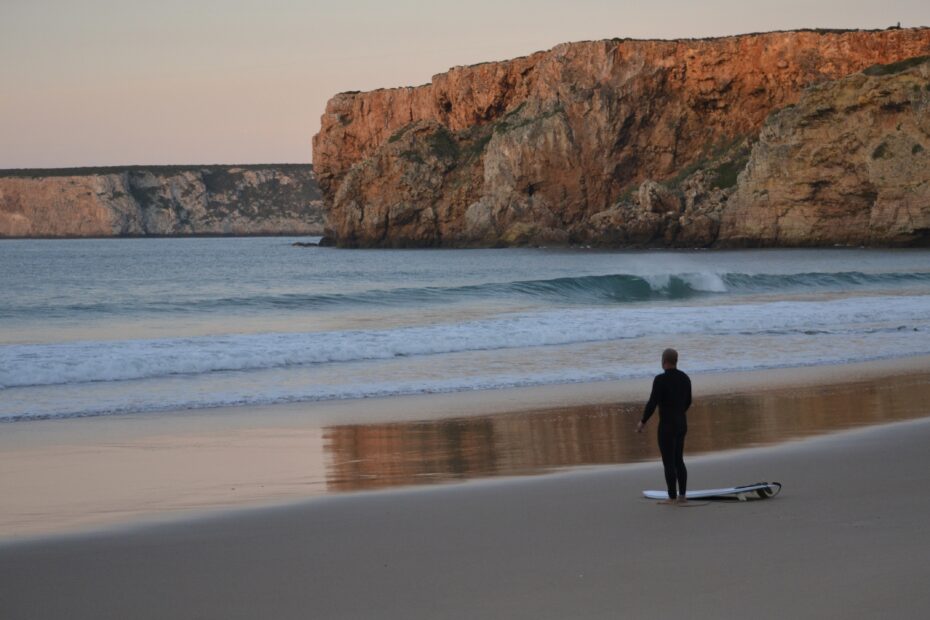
[541, 148]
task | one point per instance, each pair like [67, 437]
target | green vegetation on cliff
[896, 67]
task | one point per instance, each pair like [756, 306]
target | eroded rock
[556, 146]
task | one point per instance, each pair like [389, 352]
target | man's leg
[680, 470]
[667, 448]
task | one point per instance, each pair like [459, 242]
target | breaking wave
[595, 289]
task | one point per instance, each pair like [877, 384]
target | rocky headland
[775, 139]
[271, 199]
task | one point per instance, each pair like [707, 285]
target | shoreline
[438, 405]
[94, 473]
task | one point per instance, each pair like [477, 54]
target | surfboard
[759, 490]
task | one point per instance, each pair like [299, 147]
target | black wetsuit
[671, 392]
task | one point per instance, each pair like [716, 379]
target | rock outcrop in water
[609, 142]
[160, 200]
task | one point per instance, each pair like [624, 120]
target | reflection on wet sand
[60, 475]
[384, 455]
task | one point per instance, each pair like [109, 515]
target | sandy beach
[841, 541]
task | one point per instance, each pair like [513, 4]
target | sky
[104, 82]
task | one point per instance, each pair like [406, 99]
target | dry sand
[847, 538]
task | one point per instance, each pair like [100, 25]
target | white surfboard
[759, 490]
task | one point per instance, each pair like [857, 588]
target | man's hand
[640, 426]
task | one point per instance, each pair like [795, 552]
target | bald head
[669, 358]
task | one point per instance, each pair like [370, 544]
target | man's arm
[688, 401]
[651, 405]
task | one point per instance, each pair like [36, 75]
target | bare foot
[682, 501]
[668, 502]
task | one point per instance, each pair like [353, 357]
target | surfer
[671, 393]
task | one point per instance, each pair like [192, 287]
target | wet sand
[132, 517]
[845, 539]
[73, 475]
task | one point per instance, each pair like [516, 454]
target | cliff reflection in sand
[372, 456]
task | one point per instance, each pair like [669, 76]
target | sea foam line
[94, 361]
[196, 401]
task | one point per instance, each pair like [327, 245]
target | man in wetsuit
[671, 393]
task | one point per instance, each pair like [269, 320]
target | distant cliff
[614, 142]
[160, 200]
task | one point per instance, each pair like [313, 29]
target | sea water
[97, 327]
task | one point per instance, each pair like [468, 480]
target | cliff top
[821, 31]
[163, 169]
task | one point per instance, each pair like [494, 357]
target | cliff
[614, 142]
[160, 200]
[849, 164]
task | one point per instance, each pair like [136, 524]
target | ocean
[128, 326]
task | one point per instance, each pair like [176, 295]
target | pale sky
[106, 82]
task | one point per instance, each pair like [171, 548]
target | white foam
[705, 281]
[81, 362]
[469, 371]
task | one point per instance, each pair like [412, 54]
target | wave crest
[593, 289]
